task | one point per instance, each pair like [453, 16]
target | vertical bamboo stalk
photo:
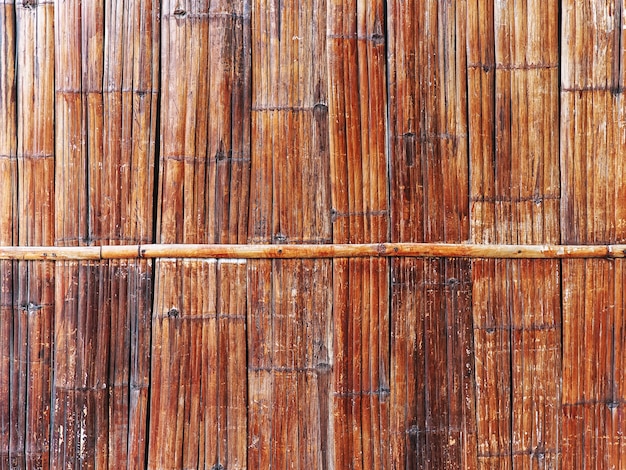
[233, 384]
[71, 227]
[592, 146]
[8, 198]
[198, 400]
[357, 111]
[432, 400]
[513, 77]
[199, 379]
[82, 333]
[140, 91]
[260, 336]
[106, 91]
[205, 123]
[32, 287]
[289, 203]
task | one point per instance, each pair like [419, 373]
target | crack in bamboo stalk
[293, 251]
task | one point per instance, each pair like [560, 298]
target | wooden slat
[289, 364]
[101, 363]
[290, 196]
[121, 104]
[593, 357]
[432, 392]
[260, 377]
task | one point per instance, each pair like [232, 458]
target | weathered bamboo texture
[357, 119]
[289, 337]
[198, 397]
[513, 103]
[106, 95]
[26, 299]
[349, 157]
[199, 377]
[11, 429]
[593, 146]
[204, 168]
[432, 393]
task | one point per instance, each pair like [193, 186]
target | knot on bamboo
[173, 313]
[29, 4]
[30, 307]
[323, 367]
[180, 12]
[280, 238]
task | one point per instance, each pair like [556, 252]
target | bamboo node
[323, 367]
[413, 430]
[173, 313]
[280, 238]
[320, 108]
[30, 307]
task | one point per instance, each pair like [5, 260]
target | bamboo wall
[277, 122]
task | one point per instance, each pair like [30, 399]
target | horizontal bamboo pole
[420, 250]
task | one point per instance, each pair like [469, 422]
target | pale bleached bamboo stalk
[420, 250]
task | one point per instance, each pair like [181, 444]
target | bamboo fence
[325, 234]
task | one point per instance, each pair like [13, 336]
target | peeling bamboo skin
[320, 234]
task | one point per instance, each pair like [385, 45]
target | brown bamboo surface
[325, 234]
